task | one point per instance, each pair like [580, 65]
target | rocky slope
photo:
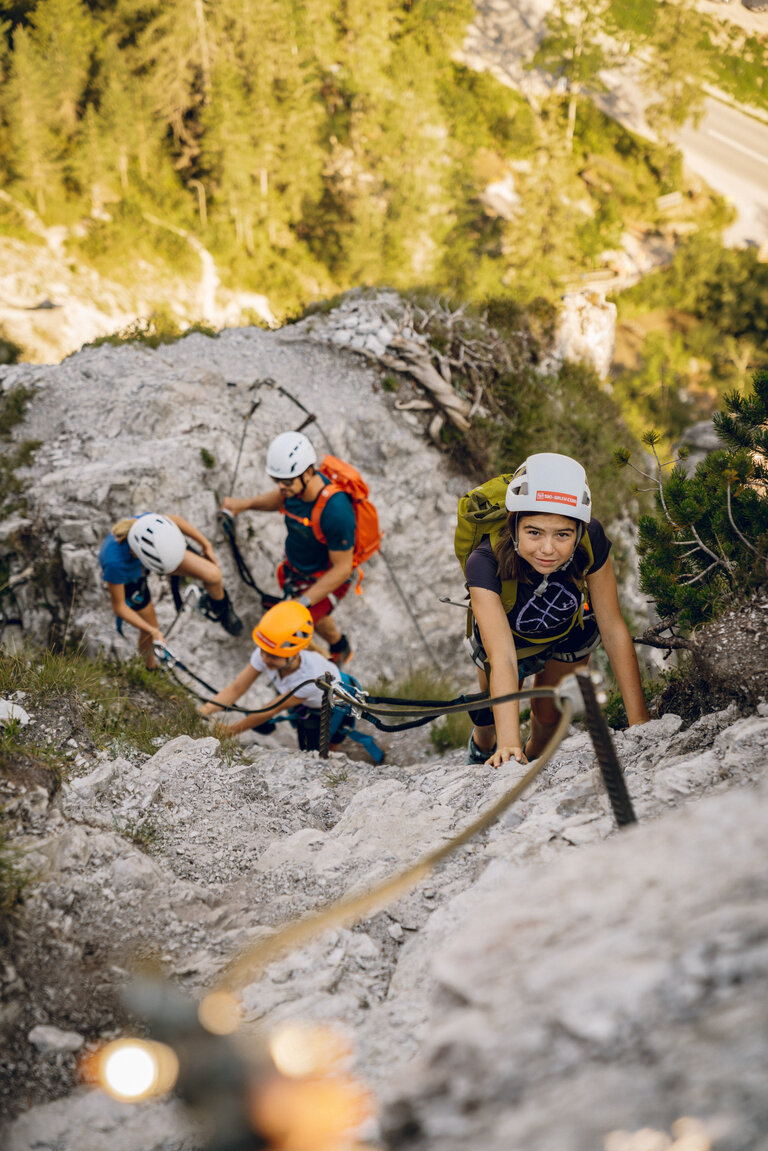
[554, 984]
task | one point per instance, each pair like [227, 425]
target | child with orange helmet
[282, 639]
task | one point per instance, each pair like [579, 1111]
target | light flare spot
[220, 1013]
[302, 1049]
[134, 1069]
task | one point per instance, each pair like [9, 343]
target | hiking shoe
[475, 755]
[228, 617]
[221, 611]
[340, 651]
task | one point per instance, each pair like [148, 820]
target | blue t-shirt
[538, 615]
[302, 548]
[118, 563]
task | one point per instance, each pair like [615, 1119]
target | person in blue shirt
[152, 542]
[317, 574]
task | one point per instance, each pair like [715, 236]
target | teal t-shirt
[302, 548]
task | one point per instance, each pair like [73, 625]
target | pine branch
[743, 539]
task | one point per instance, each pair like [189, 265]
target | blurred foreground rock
[553, 982]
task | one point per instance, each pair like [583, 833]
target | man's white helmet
[551, 483]
[289, 455]
[157, 542]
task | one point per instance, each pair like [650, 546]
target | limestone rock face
[607, 991]
[554, 981]
[128, 429]
[587, 331]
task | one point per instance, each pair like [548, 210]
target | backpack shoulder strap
[319, 507]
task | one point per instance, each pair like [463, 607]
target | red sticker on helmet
[557, 498]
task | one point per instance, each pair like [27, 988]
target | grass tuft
[423, 683]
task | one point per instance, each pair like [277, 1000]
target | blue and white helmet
[553, 484]
[157, 542]
[289, 455]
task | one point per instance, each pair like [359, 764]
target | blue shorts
[137, 595]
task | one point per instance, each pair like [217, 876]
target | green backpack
[483, 512]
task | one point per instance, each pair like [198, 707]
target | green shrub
[13, 454]
[158, 328]
[707, 544]
[122, 702]
[450, 732]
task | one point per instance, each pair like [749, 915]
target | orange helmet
[285, 629]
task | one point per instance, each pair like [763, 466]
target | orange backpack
[344, 478]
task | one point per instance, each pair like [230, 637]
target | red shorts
[297, 583]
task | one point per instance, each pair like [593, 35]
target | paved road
[730, 151]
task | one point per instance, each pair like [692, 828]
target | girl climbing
[543, 597]
[152, 542]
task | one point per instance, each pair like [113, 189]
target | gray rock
[13, 711]
[52, 1040]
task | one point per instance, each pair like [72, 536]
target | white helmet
[289, 455]
[551, 483]
[157, 542]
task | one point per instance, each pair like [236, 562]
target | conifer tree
[674, 68]
[574, 48]
[175, 54]
[707, 545]
[261, 150]
[35, 150]
[744, 424]
[63, 33]
[131, 133]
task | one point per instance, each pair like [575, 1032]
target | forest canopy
[309, 147]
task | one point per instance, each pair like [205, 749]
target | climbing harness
[342, 714]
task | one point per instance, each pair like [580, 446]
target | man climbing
[317, 572]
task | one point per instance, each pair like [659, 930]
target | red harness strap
[313, 522]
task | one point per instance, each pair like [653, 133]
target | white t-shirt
[312, 665]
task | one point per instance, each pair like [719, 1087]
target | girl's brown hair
[513, 566]
[122, 527]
